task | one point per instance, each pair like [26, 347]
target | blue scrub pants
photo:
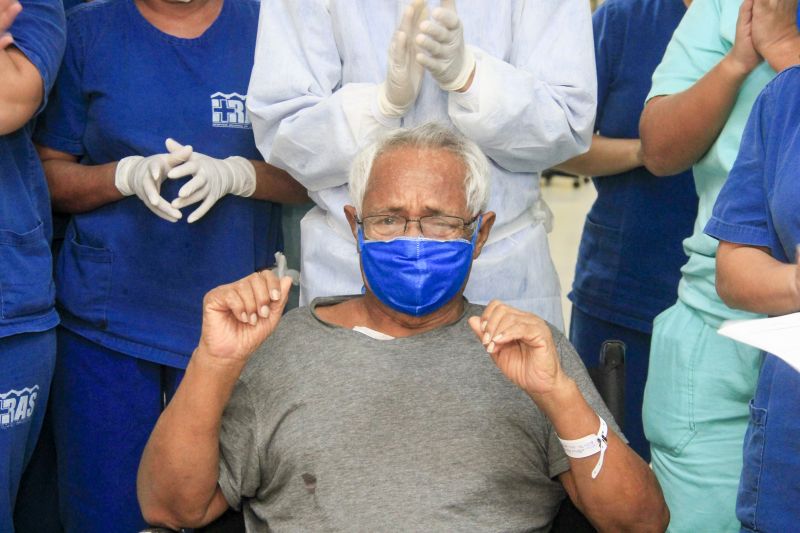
[37, 501]
[26, 369]
[769, 491]
[695, 416]
[587, 334]
[104, 406]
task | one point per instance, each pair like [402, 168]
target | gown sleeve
[538, 109]
[304, 120]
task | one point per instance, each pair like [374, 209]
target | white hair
[431, 135]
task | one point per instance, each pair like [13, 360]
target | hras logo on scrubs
[16, 406]
[229, 111]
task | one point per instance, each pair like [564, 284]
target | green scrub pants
[695, 416]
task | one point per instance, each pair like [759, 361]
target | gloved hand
[403, 74]
[213, 179]
[442, 48]
[143, 177]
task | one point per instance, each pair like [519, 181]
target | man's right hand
[238, 317]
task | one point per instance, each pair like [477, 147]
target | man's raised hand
[521, 346]
[239, 316]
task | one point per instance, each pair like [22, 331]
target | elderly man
[383, 411]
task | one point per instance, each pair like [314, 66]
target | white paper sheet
[779, 336]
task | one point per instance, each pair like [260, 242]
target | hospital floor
[569, 206]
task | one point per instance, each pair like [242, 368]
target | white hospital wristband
[588, 446]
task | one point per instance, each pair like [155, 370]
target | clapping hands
[421, 43]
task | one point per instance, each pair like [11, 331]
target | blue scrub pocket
[26, 275]
[601, 254]
[84, 281]
[747, 499]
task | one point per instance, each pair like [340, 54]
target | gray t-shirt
[329, 429]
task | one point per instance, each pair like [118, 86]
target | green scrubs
[699, 384]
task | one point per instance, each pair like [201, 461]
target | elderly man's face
[415, 183]
[413, 276]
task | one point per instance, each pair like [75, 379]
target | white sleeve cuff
[469, 101]
[360, 108]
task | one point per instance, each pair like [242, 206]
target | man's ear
[487, 221]
[351, 216]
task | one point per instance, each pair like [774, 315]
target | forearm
[677, 130]
[750, 278]
[625, 495]
[315, 159]
[521, 122]
[77, 188]
[177, 481]
[606, 157]
[276, 185]
[20, 92]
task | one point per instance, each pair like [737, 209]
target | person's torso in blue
[630, 254]
[760, 206]
[126, 278]
[26, 272]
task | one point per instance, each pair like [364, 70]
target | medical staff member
[757, 221]
[622, 281]
[134, 267]
[515, 76]
[699, 383]
[32, 38]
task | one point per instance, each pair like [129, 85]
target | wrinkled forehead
[417, 179]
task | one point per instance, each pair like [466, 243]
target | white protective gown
[312, 102]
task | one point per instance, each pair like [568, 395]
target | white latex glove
[143, 177]
[442, 50]
[398, 93]
[213, 179]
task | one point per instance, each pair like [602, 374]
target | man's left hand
[521, 346]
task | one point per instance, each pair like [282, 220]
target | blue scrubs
[69, 4]
[27, 312]
[129, 284]
[758, 206]
[622, 281]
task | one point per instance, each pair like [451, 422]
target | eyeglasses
[378, 227]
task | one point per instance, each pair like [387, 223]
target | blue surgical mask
[416, 275]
